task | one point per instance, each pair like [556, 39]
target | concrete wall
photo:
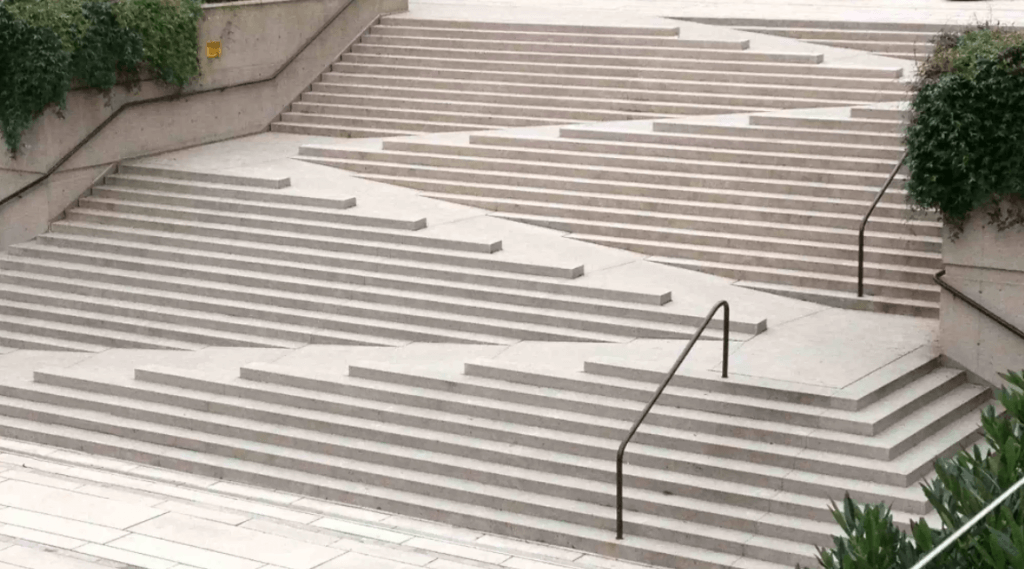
[256, 38]
[988, 266]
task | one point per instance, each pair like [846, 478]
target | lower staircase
[724, 473]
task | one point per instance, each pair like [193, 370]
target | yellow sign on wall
[212, 49]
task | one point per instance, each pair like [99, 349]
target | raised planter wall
[256, 37]
[988, 266]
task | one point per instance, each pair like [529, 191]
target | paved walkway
[67, 510]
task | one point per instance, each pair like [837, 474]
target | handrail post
[864, 225]
[657, 394]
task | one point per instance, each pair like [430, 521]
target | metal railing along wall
[657, 394]
[967, 527]
[957, 293]
[864, 225]
[92, 134]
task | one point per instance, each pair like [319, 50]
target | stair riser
[328, 111]
[865, 303]
[340, 132]
[40, 328]
[206, 191]
[257, 263]
[577, 39]
[783, 135]
[300, 241]
[815, 231]
[535, 28]
[490, 171]
[497, 112]
[585, 102]
[656, 236]
[417, 510]
[648, 72]
[631, 62]
[152, 197]
[635, 197]
[96, 321]
[614, 51]
[718, 143]
[45, 345]
[418, 126]
[888, 127]
[270, 182]
[663, 93]
[299, 312]
[677, 153]
[911, 51]
[880, 114]
[756, 275]
[850, 35]
[331, 290]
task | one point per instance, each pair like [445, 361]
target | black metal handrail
[657, 394]
[172, 97]
[864, 225]
[957, 293]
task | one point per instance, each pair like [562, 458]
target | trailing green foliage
[965, 139]
[964, 485]
[46, 46]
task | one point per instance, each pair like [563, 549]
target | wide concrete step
[657, 246]
[735, 482]
[322, 215]
[407, 21]
[851, 125]
[812, 279]
[743, 142]
[114, 240]
[497, 149]
[71, 336]
[714, 80]
[386, 109]
[360, 231]
[724, 94]
[375, 123]
[654, 199]
[765, 131]
[788, 224]
[498, 113]
[416, 452]
[538, 173]
[850, 300]
[284, 199]
[330, 487]
[153, 231]
[577, 101]
[582, 59]
[812, 34]
[337, 131]
[393, 28]
[309, 280]
[595, 49]
[781, 261]
[684, 153]
[66, 309]
[309, 311]
[157, 171]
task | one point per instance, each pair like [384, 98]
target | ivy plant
[47, 47]
[965, 138]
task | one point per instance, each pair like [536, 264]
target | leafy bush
[46, 46]
[965, 139]
[964, 485]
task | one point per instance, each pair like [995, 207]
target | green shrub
[965, 139]
[46, 46]
[964, 485]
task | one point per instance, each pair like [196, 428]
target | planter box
[987, 265]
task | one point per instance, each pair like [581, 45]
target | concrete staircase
[771, 200]
[412, 76]
[900, 40]
[725, 473]
[164, 259]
